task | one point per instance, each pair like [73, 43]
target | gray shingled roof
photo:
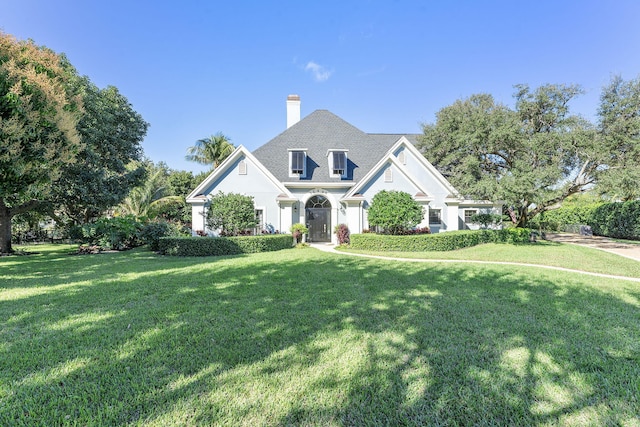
[319, 132]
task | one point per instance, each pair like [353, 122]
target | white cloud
[319, 72]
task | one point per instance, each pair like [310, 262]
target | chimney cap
[293, 98]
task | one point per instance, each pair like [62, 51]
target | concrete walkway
[329, 247]
[628, 250]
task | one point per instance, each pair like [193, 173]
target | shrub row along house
[322, 171]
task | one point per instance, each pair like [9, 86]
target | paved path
[628, 250]
[328, 247]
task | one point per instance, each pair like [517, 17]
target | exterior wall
[253, 183]
[197, 217]
[436, 191]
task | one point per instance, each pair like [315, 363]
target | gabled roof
[389, 157]
[318, 133]
[196, 195]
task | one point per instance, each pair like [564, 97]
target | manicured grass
[542, 253]
[301, 337]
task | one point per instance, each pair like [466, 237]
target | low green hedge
[217, 246]
[447, 241]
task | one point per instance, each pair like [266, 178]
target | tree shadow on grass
[302, 337]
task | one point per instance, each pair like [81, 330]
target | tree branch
[26, 207]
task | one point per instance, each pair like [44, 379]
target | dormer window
[297, 163]
[337, 163]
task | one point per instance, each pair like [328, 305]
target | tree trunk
[5, 229]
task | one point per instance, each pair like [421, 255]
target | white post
[452, 215]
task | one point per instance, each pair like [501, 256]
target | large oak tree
[531, 157]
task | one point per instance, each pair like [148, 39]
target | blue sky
[194, 68]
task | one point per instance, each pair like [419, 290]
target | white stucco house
[322, 171]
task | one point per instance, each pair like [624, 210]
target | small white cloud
[319, 72]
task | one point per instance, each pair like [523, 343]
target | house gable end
[241, 169]
[391, 158]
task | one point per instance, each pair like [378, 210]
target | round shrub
[394, 211]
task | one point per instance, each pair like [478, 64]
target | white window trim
[304, 163]
[402, 157]
[242, 167]
[440, 216]
[388, 174]
[346, 163]
[465, 215]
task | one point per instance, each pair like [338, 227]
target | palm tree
[150, 197]
[210, 151]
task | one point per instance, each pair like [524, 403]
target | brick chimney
[293, 110]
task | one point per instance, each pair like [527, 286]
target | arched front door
[318, 215]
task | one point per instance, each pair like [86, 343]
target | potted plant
[298, 230]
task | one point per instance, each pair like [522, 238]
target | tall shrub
[231, 213]
[394, 211]
[116, 233]
[618, 220]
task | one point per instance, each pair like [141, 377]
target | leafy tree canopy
[109, 166]
[38, 136]
[619, 130]
[532, 156]
[394, 211]
[65, 144]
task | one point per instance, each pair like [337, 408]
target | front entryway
[318, 217]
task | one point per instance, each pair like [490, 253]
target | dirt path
[627, 250]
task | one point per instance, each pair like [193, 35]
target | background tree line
[72, 151]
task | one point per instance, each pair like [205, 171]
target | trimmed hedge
[619, 220]
[563, 218]
[217, 246]
[447, 241]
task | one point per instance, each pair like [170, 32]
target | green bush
[619, 220]
[394, 211]
[486, 219]
[231, 213]
[152, 232]
[562, 218]
[116, 233]
[448, 241]
[217, 246]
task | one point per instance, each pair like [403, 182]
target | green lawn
[301, 337]
[542, 253]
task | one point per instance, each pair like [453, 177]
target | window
[468, 214]
[339, 163]
[435, 216]
[242, 168]
[402, 158]
[297, 163]
[388, 175]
